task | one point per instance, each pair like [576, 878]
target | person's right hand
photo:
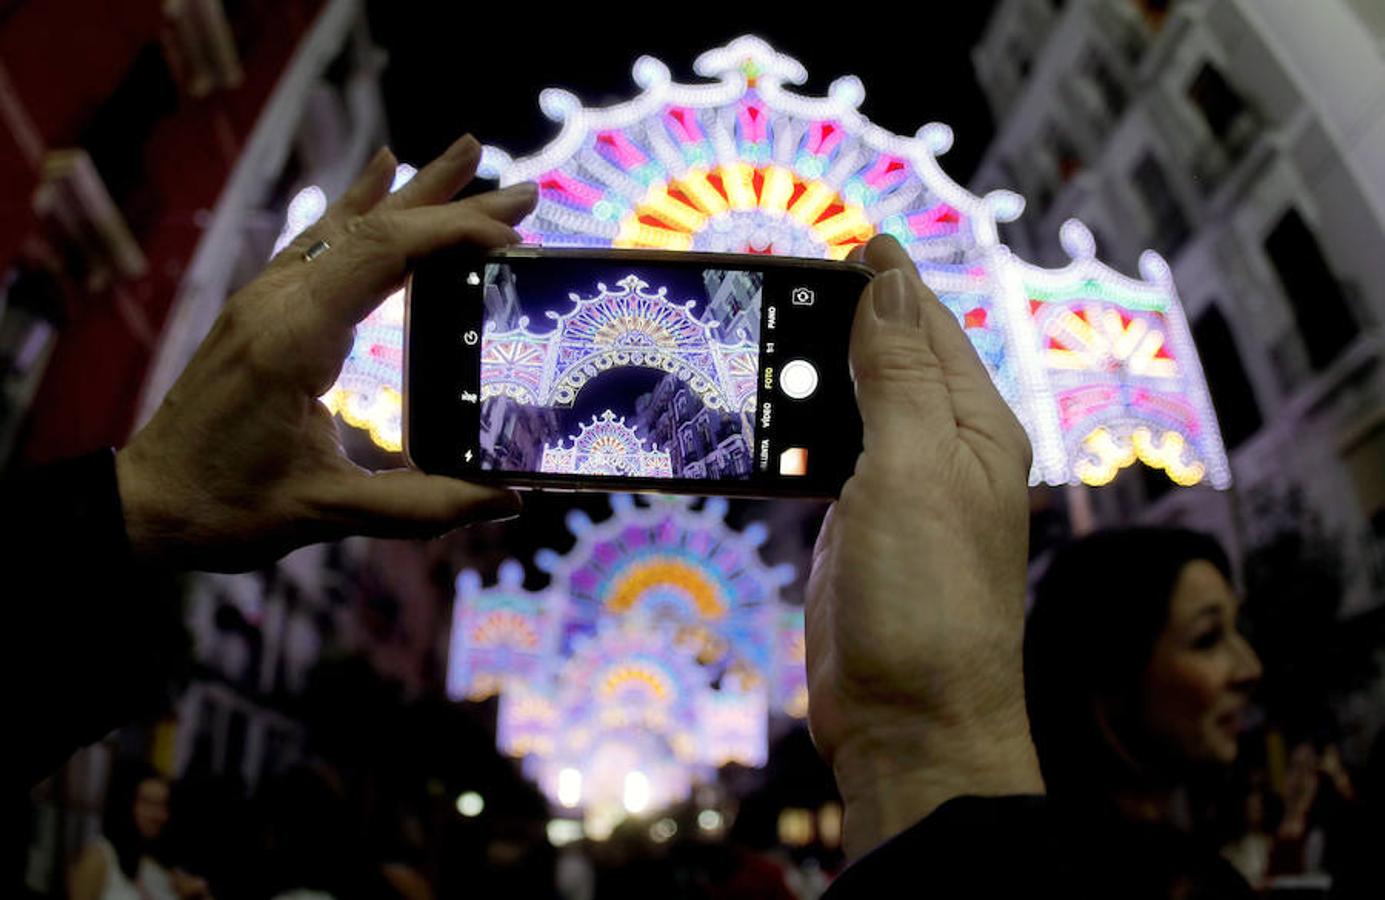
[915, 612]
[241, 463]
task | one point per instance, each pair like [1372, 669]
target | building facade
[146, 181]
[1244, 141]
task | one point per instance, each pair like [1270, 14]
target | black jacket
[1033, 847]
[94, 641]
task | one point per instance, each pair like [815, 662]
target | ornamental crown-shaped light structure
[665, 647]
[1099, 367]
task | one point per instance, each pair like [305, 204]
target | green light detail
[1091, 289]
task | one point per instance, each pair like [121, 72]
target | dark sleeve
[968, 847]
[94, 640]
[1032, 846]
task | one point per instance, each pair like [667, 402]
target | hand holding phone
[625, 370]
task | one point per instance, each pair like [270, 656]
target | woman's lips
[1232, 721]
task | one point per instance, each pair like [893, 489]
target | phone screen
[687, 373]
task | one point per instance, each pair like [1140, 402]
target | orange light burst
[666, 572]
[670, 214]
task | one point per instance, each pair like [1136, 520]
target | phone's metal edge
[529, 251]
[405, 396]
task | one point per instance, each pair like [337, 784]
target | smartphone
[612, 370]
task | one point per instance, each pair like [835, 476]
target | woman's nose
[1248, 667]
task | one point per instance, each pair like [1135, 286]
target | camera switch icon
[803, 296]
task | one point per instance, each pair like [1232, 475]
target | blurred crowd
[1147, 708]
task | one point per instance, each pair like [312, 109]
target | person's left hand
[242, 463]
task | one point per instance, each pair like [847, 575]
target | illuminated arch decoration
[607, 446]
[791, 657]
[668, 647]
[630, 675]
[628, 699]
[501, 635]
[1124, 373]
[742, 163]
[630, 325]
[673, 564]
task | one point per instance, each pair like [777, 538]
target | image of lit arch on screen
[626, 374]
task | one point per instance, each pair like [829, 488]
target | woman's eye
[1207, 639]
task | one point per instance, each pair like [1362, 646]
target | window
[1065, 154]
[1232, 394]
[1219, 104]
[1365, 460]
[1170, 228]
[1107, 84]
[1019, 52]
[120, 128]
[1154, 12]
[1320, 306]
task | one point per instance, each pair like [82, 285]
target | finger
[369, 189]
[949, 342]
[360, 198]
[901, 388]
[441, 179]
[405, 503]
[374, 255]
[509, 205]
[976, 403]
[857, 254]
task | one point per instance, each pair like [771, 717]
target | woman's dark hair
[1097, 613]
[118, 818]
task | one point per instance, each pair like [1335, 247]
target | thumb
[404, 503]
[901, 386]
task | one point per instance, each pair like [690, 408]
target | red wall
[65, 59]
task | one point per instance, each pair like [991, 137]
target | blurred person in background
[1137, 683]
[741, 866]
[1250, 837]
[312, 848]
[1359, 870]
[128, 860]
[1319, 803]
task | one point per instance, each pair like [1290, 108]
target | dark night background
[448, 73]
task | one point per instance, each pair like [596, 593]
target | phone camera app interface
[613, 372]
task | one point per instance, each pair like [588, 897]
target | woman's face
[151, 808]
[1200, 675]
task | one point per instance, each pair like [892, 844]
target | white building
[1245, 141]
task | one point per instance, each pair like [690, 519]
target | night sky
[448, 74]
[616, 390]
[546, 287]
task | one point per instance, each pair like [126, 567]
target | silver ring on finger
[316, 250]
